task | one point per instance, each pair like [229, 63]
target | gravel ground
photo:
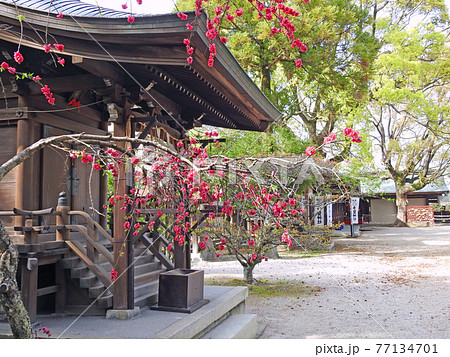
[388, 283]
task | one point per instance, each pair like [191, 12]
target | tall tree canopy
[410, 108]
[343, 39]
[336, 67]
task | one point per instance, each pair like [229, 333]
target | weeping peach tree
[255, 191]
[187, 178]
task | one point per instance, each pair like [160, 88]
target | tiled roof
[388, 187]
[68, 7]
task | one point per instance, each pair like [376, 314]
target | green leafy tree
[410, 107]
[336, 67]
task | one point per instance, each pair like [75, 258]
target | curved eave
[159, 40]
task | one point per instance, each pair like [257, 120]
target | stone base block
[123, 314]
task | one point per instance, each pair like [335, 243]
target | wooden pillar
[103, 197]
[121, 253]
[103, 218]
[23, 138]
[182, 254]
[179, 256]
[62, 218]
[29, 284]
[91, 252]
[60, 295]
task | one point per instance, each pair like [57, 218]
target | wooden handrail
[20, 212]
[7, 213]
[100, 247]
[42, 212]
[96, 224]
[91, 265]
[160, 256]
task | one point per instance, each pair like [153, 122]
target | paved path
[388, 283]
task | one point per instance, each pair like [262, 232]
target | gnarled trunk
[402, 204]
[10, 297]
[248, 274]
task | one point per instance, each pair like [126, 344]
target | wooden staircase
[146, 273]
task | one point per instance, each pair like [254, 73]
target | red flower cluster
[48, 94]
[134, 160]
[286, 238]
[267, 11]
[189, 50]
[18, 57]
[353, 134]
[45, 330]
[297, 43]
[182, 16]
[113, 275]
[329, 138]
[212, 134]
[74, 103]
[59, 47]
[86, 158]
[6, 66]
[310, 150]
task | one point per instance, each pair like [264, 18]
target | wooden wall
[59, 173]
[8, 184]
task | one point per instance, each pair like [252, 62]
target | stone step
[146, 289]
[79, 272]
[224, 301]
[70, 262]
[105, 301]
[147, 277]
[237, 326]
[147, 268]
[146, 300]
[96, 290]
[143, 259]
[88, 280]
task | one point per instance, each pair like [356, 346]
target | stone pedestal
[181, 290]
[123, 314]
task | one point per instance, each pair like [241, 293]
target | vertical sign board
[329, 214]
[354, 207]
[318, 211]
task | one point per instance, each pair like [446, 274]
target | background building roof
[388, 187]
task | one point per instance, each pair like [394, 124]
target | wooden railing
[90, 253]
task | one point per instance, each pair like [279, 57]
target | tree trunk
[10, 297]
[248, 274]
[402, 204]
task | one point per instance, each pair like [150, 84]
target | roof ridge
[68, 7]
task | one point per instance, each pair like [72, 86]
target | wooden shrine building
[132, 78]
